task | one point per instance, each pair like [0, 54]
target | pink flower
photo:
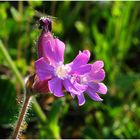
[93, 80]
[58, 74]
[77, 77]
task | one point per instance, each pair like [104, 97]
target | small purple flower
[58, 74]
[93, 81]
[76, 77]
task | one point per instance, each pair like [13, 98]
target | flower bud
[40, 86]
[46, 26]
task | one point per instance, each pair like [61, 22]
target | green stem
[7, 57]
[38, 111]
[11, 64]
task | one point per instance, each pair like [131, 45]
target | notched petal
[81, 59]
[94, 96]
[96, 66]
[81, 99]
[96, 76]
[102, 88]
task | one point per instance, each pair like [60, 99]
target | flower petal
[59, 50]
[43, 39]
[49, 52]
[94, 96]
[93, 87]
[96, 76]
[81, 59]
[91, 91]
[102, 88]
[81, 99]
[55, 86]
[81, 70]
[96, 66]
[69, 87]
[87, 52]
[43, 69]
[80, 87]
[54, 51]
[74, 87]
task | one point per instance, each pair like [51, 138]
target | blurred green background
[110, 30]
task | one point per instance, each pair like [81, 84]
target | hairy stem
[21, 117]
[18, 76]
[7, 57]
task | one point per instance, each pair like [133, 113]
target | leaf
[53, 117]
[8, 105]
[16, 15]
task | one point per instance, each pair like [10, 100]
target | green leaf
[53, 117]
[8, 105]
[16, 15]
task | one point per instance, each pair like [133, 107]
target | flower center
[62, 71]
[79, 79]
[83, 79]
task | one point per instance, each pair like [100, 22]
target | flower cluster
[77, 77]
